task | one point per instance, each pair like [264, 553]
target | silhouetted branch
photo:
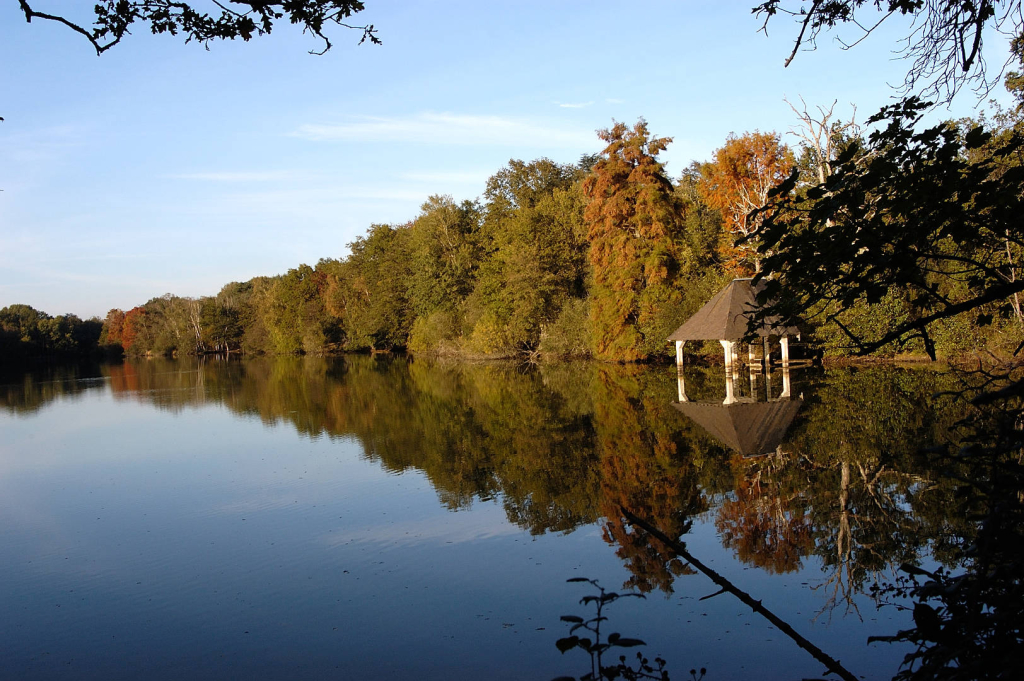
[832, 664]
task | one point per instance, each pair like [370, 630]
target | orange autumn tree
[765, 521]
[633, 223]
[646, 469]
[131, 325]
[745, 169]
[110, 336]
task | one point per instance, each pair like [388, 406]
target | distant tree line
[601, 258]
[27, 333]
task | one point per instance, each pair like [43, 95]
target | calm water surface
[392, 518]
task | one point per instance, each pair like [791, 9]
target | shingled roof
[724, 317]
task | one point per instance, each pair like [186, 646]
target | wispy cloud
[443, 177]
[447, 129]
[236, 176]
[575, 105]
[612, 100]
[43, 144]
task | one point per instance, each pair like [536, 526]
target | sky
[163, 167]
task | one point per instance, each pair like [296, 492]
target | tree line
[26, 332]
[604, 257]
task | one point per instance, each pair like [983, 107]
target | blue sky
[161, 167]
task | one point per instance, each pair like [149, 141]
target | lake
[393, 518]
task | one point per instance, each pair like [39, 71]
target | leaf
[976, 137]
[914, 570]
[629, 642]
[571, 618]
[847, 154]
[568, 643]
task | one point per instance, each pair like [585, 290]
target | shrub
[569, 334]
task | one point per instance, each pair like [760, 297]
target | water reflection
[750, 423]
[838, 475]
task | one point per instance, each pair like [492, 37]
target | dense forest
[604, 257]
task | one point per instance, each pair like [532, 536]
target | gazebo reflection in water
[751, 421]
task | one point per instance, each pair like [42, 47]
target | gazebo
[725, 318]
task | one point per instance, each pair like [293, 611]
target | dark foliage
[112, 20]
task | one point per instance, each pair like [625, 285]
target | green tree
[371, 293]
[445, 252]
[536, 247]
[295, 314]
[27, 332]
[223, 317]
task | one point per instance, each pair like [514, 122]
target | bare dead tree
[822, 133]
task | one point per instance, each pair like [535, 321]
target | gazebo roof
[725, 316]
[748, 428]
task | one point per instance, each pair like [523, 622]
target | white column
[730, 351]
[730, 388]
[784, 344]
[682, 388]
[785, 382]
[767, 354]
[679, 353]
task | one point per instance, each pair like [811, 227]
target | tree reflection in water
[851, 483]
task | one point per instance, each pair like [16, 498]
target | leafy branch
[238, 19]
[596, 646]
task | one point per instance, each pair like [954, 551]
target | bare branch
[803, 28]
[944, 43]
[31, 14]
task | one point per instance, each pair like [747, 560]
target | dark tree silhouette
[944, 43]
